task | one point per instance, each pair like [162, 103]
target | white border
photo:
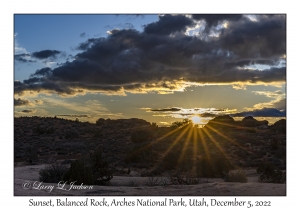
[149, 7]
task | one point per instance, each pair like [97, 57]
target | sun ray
[230, 125]
[181, 156]
[216, 143]
[200, 132]
[195, 148]
[173, 144]
[229, 139]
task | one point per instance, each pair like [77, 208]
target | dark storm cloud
[45, 54]
[265, 38]
[129, 60]
[42, 72]
[23, 58]
[85, 45]
[168, 24]
[266, 112]
[21, 102]
[213, 20]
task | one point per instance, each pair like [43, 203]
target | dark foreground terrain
[159, 158]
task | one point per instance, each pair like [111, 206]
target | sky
[161, 68]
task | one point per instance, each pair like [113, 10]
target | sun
[196, 119]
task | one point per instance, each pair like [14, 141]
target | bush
[89, 170]
[152, 181]
[79, 173]
[182, 179]
[101, 170]
[52, 173]
[141, 135]
[31, 155]
[239, 176]
[214, 167]
[268, 173]
[178, 124]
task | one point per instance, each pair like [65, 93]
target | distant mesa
[166, 110]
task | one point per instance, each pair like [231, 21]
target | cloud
[73, 115]
[24, 57]
[166, 110]
[164, 59]
[204, 113]
[38, 101]
[265, 112]
[270, 94]
[209, 115]
[45, 54]
[28, 111]
[214, 19]
[279, 103]
[21, 102]
[82, 35]
[168, 24]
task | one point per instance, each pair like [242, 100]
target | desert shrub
[182, 179]
[153, 181]
[178, 124]
[92, 169]
[79, 173]
[158, 170]
[141, 153]
[53, 173]
[133, 183]
[238, 176]
[31, 155]
[141, 135]
[214, 167]
[101, 170]
[268, 173]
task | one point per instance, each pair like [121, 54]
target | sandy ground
[25, 177]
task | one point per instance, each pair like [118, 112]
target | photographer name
[60, 186]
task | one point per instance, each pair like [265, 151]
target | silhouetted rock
[249, 121]
[279, 126]
[220, 122]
